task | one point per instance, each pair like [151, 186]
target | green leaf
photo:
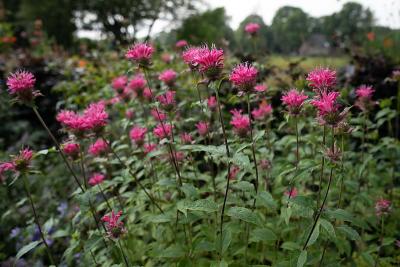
[328, 227]
[341, 215]
[244, 186]
[221, 263]
[27, 248]
[206, 205]
[349, 232]
[290, 246]
[226, 239]
[244, 214]
[265, 199]
[173, 251]
[262, 234]
[302, 259]
[93, 241]
[368, 258]
[286, 213]
[314, 235]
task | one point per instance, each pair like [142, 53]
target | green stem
[104, 196]
[123, 253]
[322, 167]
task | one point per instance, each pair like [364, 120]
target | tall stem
[325, 197]
[58, 147]
[83, 167]
[28, 194]
[253, 150]
[228, 154]
[104, 196]
[297, 160]
[341, 168]
[123, 253]
[322, 167]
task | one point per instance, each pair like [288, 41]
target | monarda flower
[140, 53]
[158, 115]
[119, 83]
[328, 108]
[20, 85]
[322, 79]
[137, 84]
[137, 135]
[23, 160]
[382, 207]
[115, 227]
[244, 76]
[71, 149]
[210, 62]
[260, 88]
[186, 138]
[5, 167]
[98, 148]
[181, 44]
[364, 97]
[292, 193]
[163, 130]
[147, 94]
[73, 122]
[240, 123]
[168, 77]
[96, 178]
[96, 117]
[252, 28]
[129, 114]
[149, 147]
[167, 100]
[234, 172]
[166, 58]
[202, 128]
[191, 54]
[212, 103]
[294, 101]
[262, 112]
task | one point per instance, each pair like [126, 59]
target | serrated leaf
[206, 205]
[172, 252]
[302, 259]
[243, 185]
[244, 214]
[290, 246]
[314, 235]
[93, 241]
[262, 234]
[265, 199]
[221, 263]
[25, 249]
[226, 239]
[340, 215]
[328, 227]
[349, 232]
[368, 258]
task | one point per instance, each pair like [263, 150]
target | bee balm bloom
[20, 84]
[240, 123]
[364, 97]
[244, 76]
[328, 108]
[96, 117]
[4, 167]
[252, 28]
[115, 227]
[262, 111]
[140, 53]
[322, 79]
[137, 84]
[202, 128]
[181, 44]
[162, 130]
[119, 83]
[294, 101]
[212, 102]
[168, 77]
[23, 160]
[100, 147]
[382, 207]
[210, 62]
[96, 178]
[71, 149]
[186, 138]
[191, 54]
[137, 135]
[167, 100]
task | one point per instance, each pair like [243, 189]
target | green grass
[308, 63]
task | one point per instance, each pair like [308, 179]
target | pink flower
[186, 138]
[294, 101]
[240, 123]
[382, 207]
[244, 76]
[72, 121]
[100, 147]
[212, 102]
[158, 115]
[326, 103]
[179, 156]
[181, 44]
[210, 61]
[167, 100]
[96, 178]
[137, 134]
[4, 167]
[147, 94]
[141, 53]
[71, 149]
[168, 77]
[163, 130]
[115, 227]
[22, 161]
[129, 114]
[167, 58]
[365, 91]
[96, 117]
[21, 84]
[234, 172]
[191, 54]
[202, 128]
[137, 84]
[262, 111]
[252, 28]
[291, 193]
[119, 83]
[260, 88]
[149, 147]
[322, 79]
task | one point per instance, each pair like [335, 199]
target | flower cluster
[262, 111]
[115, 227]
[181, 43]
[244, 76]
[186, 138]
[162, 130]
[119, 83]
[382, 207]
[240, 123]
[191, 54]
[20, 84]
[137, 84]
[96, 178]
[328, 108]
[322, 79]
[168, 77]
[294, 101]
[203, 128]
[71, 149]
[167, 100]
[137, 135]
[212, 103]
[19, 163]
[364, 97]
[98, 148]
[210, 62]
[252, 28]
[140, 53]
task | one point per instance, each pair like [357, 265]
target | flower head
[210, 61]
[72, 121]
[119, 83]
[4, 167]
[234, 172]
[240, 123]
[163, 130]
[212, 102]
[96, 117]
[191, 54]
[292, 193]
[364, 97]
[71, 149]
[260, 88]
[181, 44]
[137, 84]
[158, 115]
[96, 178]
[167, 58]
[382, 207]
[137, 135]
[20, 84]
[98, 148]
[167, 100]
[244, 76]
[294, 101]
[262, 111]
[147, 94]
[328, 108]
[186, 138]
[115, 227]
[20, 162]
[322, 79]
[168, 77]
[140, 53]
[149, 147]
[252, 28]
[202, 128]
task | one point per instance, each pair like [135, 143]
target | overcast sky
[386, 12]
